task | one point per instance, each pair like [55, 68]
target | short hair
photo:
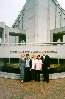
[27, 54]
[38, 56]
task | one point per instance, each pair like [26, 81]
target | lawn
[13, 89]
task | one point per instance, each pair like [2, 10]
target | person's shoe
[22, 81]
[33, 81]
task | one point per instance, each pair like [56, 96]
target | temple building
[40, 26]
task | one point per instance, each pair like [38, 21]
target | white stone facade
[6, 32]
[38, 17]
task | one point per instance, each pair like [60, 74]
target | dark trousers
[27, 74]
[37, 75]
[46, 75]
[33, 74]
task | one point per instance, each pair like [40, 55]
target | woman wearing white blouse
[33, 67]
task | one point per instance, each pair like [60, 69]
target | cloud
[62, 3]
[9, 10]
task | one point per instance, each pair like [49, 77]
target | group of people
[30, 68]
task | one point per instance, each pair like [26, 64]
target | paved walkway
[17, 76]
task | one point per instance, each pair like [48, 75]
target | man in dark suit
[46, 66]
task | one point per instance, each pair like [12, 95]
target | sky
[9, 9]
